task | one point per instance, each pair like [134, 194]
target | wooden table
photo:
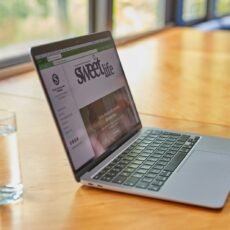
[180, 80]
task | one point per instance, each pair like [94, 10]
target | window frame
[166, 23]
[22, 60]
[100, 17]
[179, 15]
[213, 9]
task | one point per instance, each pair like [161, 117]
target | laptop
[105, 142]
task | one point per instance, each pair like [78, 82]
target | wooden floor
[180, 80]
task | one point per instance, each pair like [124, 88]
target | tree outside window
[25, 23]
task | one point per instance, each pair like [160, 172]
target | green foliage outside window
[222, 7]
[23, 20]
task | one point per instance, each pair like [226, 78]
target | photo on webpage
[108, 119]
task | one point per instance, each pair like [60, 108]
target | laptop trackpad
[203, 179]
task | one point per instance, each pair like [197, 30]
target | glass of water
[11, 187]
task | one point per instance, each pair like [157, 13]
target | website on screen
[89, 96]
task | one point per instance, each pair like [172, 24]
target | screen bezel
[38, 50]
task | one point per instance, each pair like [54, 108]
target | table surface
[180, 80]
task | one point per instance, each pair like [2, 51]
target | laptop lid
[89, 97]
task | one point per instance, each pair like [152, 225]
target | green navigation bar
[43, 63]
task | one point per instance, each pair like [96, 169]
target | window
[222, 7]
[27, 23]
[194, 9]
[132, 17]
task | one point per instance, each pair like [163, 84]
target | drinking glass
[11, 187]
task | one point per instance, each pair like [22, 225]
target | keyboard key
[144, 154]
[172, 165]
[125, 173]
[138, 175]
[165, 173]
[157, 182]
[147, 179]
[143, 144]
[139, 148]
[156, 155]
[129, 158]
[184, 137]
[169, 155]
[122, 165]
[108, 167]
[142, 185]
[129, 155]
[159, 152]
[107, 178]
[111, 173]
[133, 166]
[162, 149]
[180, 142]
[158, 166]
[175, 148]
[125, 162]
[154, 145]
[154, 188]
[186, 150]
[151, 175]
[137, 162]
[143, 171]
[119, 179]
[144, 166]
[148, 151]
[161, 178]
[141, 158]
[153, 159]
[151, 163]
[156, 171]
[130, 169]
[172, 151]
[131, 181]
[161, 162]
[165, 158]
[116, 169]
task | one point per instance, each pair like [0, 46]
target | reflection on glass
[27, 23]
[194, 9]
[131, 17]
[222, 7]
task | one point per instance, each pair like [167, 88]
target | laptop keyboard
[149, 161]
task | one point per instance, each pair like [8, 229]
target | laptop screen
[89, 96]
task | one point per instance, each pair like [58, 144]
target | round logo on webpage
[55, 79]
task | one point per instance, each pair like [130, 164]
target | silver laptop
[102, 133]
